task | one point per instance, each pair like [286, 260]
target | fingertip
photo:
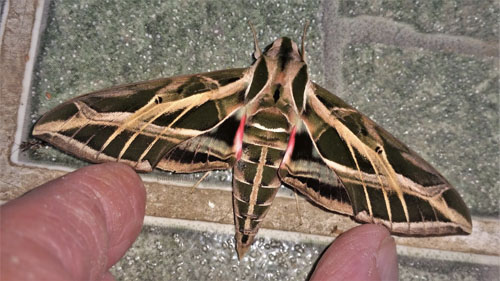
[387, 259]
[108, 277]
[359, 254]
[123, 198]
[85, 221]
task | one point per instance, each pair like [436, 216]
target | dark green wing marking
[139, 123]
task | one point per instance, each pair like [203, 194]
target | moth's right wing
[139, 123]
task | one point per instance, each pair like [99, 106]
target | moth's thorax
[278, 83]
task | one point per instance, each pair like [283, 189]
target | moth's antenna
[303, 51]
[257, 52]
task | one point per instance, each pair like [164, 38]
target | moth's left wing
[386, 182]
[139, 123]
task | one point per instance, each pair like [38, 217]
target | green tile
[477, 19]
[92, 45]
[444, 106]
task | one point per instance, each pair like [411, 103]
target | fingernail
[387, 259]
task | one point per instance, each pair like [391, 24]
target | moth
[271, 125]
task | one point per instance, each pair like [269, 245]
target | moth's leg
[334, 230]
[298, 208]
[199, 181]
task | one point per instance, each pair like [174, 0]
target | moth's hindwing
[385, 181]
[139, 123]
[307, 172]
[212, 150]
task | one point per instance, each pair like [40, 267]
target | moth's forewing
[139, 123]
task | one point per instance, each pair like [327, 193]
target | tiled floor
[427, 73]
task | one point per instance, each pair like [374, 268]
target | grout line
[341, 30]
[446, 255]
[150, 178]
[320, 239]
[334, 40]
[338, 31]
[229, 229]
[371, 29]
[27, 77]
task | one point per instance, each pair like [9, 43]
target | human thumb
[366, 252]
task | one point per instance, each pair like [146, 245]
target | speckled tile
[97, 44]
[94, 45]
[443, 105]
[185, 254]
[181, 253]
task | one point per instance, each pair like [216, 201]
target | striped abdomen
[255, 174]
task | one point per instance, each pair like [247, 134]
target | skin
[366, 252]
[77, 226]
[74, 227]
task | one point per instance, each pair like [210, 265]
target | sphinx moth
[271, 125]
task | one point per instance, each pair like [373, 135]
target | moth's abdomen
[255, 179]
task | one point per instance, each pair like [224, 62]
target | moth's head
[283, 49]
